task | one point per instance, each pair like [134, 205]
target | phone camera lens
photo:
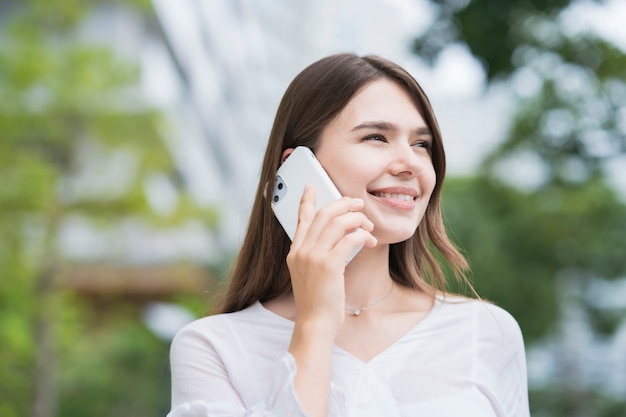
[280, 185]
[276, 198]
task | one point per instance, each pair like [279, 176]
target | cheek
[428, 179]
[347, 184]
[349, 176]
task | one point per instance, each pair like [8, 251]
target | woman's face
[377, 149]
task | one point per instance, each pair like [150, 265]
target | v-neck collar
[437, 302]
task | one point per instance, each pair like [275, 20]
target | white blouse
[465, 358]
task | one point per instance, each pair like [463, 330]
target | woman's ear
[286, 154]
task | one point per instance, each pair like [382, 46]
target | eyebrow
[386, 127]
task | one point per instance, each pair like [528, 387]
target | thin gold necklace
[357, 311]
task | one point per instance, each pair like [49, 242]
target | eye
[376, 137]
[423, 145]
[426, 144]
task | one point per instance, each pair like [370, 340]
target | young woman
[302, 333]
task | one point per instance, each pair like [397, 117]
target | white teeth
[404, 197]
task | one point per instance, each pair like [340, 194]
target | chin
[396, 236]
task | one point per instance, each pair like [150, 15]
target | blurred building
[227, 64]
[219, 68]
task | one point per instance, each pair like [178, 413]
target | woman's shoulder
[486, 318]
[231, 336]
[221, 325]
[478, 307]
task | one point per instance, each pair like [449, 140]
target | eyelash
[376, 137]
[422, 143]
[425, 144]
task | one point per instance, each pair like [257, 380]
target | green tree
[70, 112]
[527, 243]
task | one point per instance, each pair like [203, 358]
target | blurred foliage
[556, 223]
[519, 242]
[493, 30]
[76, 141]
[574, 119]
[556, 401]
[120, 369]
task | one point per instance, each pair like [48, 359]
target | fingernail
[358, 200]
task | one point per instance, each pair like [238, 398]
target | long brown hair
[312, 100]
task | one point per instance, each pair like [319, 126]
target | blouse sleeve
[201, 386]
[503, 360]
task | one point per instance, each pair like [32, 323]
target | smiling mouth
[402, 197]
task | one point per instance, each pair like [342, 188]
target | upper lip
[396, 190]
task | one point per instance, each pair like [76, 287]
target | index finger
[306, 212]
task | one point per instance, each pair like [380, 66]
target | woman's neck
[367, 277]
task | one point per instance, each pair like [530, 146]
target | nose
[408, 161]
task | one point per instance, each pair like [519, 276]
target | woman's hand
[322, 243]
[317, 259]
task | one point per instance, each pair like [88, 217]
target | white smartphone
[298, 170]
